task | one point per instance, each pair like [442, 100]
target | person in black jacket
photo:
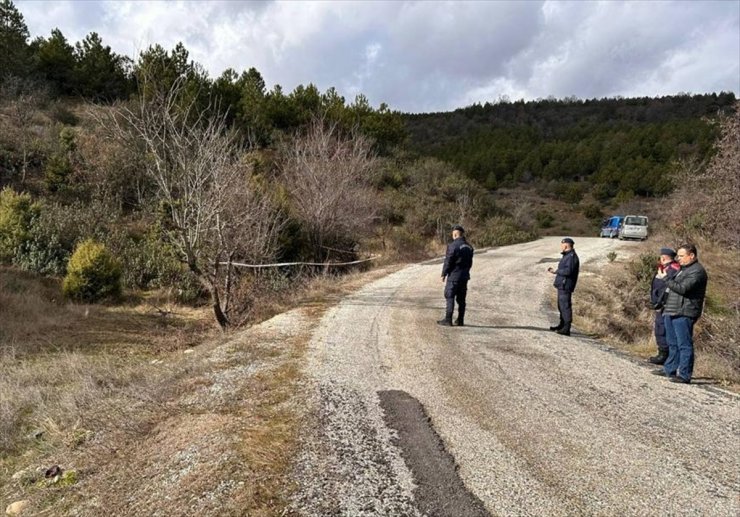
[684, 303]
[455, 274]
[566, 277]
[657, 299]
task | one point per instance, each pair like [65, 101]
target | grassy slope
[108, 391]
[611, 303]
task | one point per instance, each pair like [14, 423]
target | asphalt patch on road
[440, 492]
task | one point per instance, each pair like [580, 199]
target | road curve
[538, 424]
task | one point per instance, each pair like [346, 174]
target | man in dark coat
[566, 277]
[683, 306]
[455, 274]
[657, 298]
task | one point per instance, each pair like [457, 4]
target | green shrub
[603, 192]
[592, 211]
[405, 242]
[57, 171]
[188, 288]
[43, 253]
[53, 233]
[612, 256]
[644, 268]
[623, 196]
[147, 261]
[569, 192]
[544, 219]
[92, 274]
[502, 231]
[17, 211]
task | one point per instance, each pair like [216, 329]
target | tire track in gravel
[534, 423]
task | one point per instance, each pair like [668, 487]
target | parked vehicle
[610, 227]
[634, 227]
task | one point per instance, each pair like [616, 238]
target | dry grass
[612, 304]
[271, 294]
[70, 374]
[107, 391]
[37, 319]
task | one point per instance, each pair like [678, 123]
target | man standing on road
[657, 298]
[566, 277]
[456, 273]
[683, 306]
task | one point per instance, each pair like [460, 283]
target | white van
[634, 227]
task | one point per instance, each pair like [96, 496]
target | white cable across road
[285, 264]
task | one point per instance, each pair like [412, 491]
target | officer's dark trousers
[455, 290]
[566, 309]
[660, 336]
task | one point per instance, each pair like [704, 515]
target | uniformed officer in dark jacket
[657, 299]
[456, 273]
[566, 277]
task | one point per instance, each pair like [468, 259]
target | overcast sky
[432, 56]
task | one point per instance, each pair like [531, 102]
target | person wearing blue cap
[455, 274]
[667, 262]
[566, 277]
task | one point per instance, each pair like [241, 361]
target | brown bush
[707, 202]
[328, 176]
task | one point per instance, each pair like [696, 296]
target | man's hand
[444, 278]
[551, 270]
[661, 273]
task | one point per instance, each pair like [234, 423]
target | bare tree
[23, 99]
[328, 176]
[708, 199]
[215, 212]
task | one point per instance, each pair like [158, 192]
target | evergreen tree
[101, 73]
[55, 62]
[227, 94]
[14, 49]
[252, 109]
[157, 70]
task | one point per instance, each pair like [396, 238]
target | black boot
[447, 321]
[565, 330]
[460, 321]
[660, 358]
[558, 326]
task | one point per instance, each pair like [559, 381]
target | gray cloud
[428, 56]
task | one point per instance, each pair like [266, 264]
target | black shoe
[445, 322]
[661, 373]
[659, 359]
[459, 322]
[556, 328]
[679, 379]
[563, 332]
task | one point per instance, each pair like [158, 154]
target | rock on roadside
[16, 508]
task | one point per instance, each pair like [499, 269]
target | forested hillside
[611, 147]
[167, 176]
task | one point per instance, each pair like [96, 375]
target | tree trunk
[223, 321]
[212, 288]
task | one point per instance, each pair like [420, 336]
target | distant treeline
[610, 146]
[91, 70]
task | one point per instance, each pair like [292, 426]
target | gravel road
[537, 424]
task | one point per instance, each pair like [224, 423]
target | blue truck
[610, 227]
